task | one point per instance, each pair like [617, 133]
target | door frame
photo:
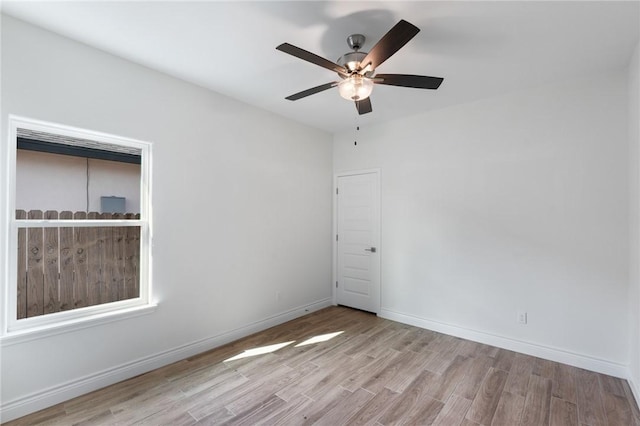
[378, 216]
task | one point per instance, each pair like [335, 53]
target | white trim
[334, 260]
[38, 326]
[22, 406]
[83, 321]
[76, 223]
[546, 352]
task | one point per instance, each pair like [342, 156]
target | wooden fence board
[80, 264]
[109, 289]
[94, 268]
[68, 267]
[35, 273]
[50, 264]
[22, 268]
[119, 233]
[66, 264]
[136, 259]
[130, 270]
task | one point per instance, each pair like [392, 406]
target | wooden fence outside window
[67, 267]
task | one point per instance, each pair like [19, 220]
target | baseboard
[31, 403]
[540, 351]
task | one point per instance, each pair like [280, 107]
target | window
[79, 210]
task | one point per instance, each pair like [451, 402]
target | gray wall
[241, 209]
[518, 202]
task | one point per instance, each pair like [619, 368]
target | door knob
[372, 249]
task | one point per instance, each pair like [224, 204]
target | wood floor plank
[453, 411]
[336, 374]
[486, 350]
[286, 412]
[564, 382]
[358, 377]
[544, 368]
[440, 361]
[468, 349]
[251, 415]
[425, 412]
[405, 370]
[217, 417]
[504, 360]
[325, 402]
[444, 384]
[415, 392]
[299, 387]
[612, 385]
[421, 343]
[373, 343]
[406, 339]
[146, 403]
[176, 413]
[374, 408]
[409, 375]
[303, 354]
[242, 403]
[469, 385]
[617, 410]
[337, 353]
[563, 413]
[486, 401]
[342, 411]
[509, 410]
[632, 403]
[216, 397]
[538, 401]
[518, 379]
[205, 378]
[590, 405]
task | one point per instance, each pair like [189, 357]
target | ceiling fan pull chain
[355, 133]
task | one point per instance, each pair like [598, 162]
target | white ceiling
[480, 48]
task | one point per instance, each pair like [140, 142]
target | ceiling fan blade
[312, 91]
[408, 80]
[390, 43]
[364, 106]
[313, 58]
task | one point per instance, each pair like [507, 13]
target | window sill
[35, 333]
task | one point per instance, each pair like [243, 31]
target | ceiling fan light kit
[355, 87]
[357, 69]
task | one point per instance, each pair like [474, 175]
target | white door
[357, 241]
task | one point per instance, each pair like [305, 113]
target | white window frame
[14, 330]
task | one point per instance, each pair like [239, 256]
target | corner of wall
[634, 221]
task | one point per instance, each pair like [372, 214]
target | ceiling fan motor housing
[351, 60]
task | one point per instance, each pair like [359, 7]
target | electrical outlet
[522, 317]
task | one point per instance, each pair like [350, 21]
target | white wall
[241, 210]
[47, 181]
[634, 211]
[519, 202]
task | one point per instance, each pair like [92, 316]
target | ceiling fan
[357, 69]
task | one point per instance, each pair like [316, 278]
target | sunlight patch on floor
[320, 338]
[259, 351]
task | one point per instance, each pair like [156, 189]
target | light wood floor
[375, 372]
